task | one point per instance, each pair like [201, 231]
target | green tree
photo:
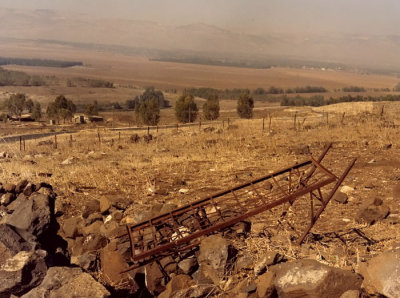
[211, 108]
[130, 103]
[186, 109]
[16, 104]
[148, 111]
[29, 105]
[37, 111]
[245, 106]
[151, 93]
[61, 108]
[91, 110]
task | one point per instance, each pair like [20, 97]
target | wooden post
[200, 125]
[20, 143]
[382, 110]
[341, 121]
[270, 122]
[70, 140]
[177, 126]
[55, 141]
[327, 118]
[24, 144]
[119, 136]
[148, 130]
[263, 125]
[98, 136]
[295, 120]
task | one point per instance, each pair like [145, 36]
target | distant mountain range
[200, 40]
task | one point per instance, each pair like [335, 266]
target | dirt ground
[206, 162]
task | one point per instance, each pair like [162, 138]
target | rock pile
[40, 258]
[31, 251]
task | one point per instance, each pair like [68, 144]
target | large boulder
[22, 272]
[13, 241]
[309, 278]
[63, 282]
[34, 215]
[382, 274]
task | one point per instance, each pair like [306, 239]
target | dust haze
[356, 33]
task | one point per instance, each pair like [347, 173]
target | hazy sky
[258, 16]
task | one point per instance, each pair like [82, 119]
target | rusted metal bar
[326, 201]
[181, 229]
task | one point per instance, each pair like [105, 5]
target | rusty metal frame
[169, 234]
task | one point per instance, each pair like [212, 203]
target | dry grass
[208, 162]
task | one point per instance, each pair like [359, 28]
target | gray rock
[188, 266]
[73, 227]
[7, 198]
[63, 282]
[177, 283]
[213, 257]
[91, 207]
[265, 284]
[33, 216]
[372, 210]
[340, 197]
[29, 189]
[13, 240]
[9, 187]
[22, 272]
[309, 278]
[155, 280]
[382, 274]
[351, 294]
[21, 186]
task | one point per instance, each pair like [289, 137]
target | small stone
[105, 204]
[7, 198]
[265, 284]
[340, 197]
[73, 226]
[21, 185]
[188, 266]
[29, 189]
[183, 190]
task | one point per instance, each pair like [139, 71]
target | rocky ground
[61, 241]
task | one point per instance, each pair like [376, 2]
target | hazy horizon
[256, 17]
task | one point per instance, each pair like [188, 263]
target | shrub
[186, 109]
[148, 111]
[245, 106]
[211, 108]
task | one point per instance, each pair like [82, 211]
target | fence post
[270, 122]
[20, 143]
[177, 126]
[70, 140]
[263, 125]
[119, 136]
[148, 130]
[55, 141]
[341, 121]
[294, 120]
[223, 123]
[327, 118]
[24, 144]
[200, 125]
[98, 136]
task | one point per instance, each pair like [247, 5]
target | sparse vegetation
[61, 108]
[38, 62]
[186, 109]
[37, 111]
[307, 89]
[16, 104]
[92, 83]
[92, 109]
[245, 106]
[148, 111]
[211, 108]
[19, 78]
[353, 89]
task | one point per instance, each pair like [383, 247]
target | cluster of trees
[307, 89]
[92, 83]
[61, 108]
[319, 100]
[16, 104]
[353, 89]
[19, 78]
[38, 62]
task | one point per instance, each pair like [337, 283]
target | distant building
[95, 119]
